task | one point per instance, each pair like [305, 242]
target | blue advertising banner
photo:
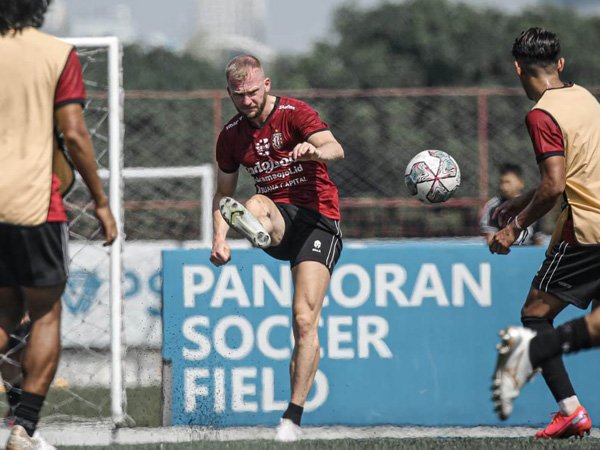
[408, 336]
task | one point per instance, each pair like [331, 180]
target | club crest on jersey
[262, 147]
[277, 140]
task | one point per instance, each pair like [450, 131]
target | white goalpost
[114, 142]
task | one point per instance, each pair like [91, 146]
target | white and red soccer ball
[432, 176]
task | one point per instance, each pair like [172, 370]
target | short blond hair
[239, 67]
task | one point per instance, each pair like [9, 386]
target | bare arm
[546, 194]
[321, 146]
[551, 187]
[226, 184]
[512, 207]
[70, 121]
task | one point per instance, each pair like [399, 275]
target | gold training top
[577, 113]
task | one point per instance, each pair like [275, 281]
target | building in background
[95, 20]
[226, 28]
[118, 22]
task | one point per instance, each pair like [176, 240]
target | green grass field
[143, 405]
[375, 444]
[144, 408]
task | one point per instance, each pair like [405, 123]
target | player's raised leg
[258, 220]
[243, 221]
[310, 280]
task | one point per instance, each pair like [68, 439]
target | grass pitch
[144, 408]
[375, 444]
[143, 405]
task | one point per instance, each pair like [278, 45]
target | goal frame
[115, 188]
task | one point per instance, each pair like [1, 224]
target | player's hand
[504, 238]
[108, 223]
[220, 253]
[509, 209]
[305, 152]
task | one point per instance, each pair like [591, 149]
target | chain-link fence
[380, 130]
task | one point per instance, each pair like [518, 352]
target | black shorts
[571, 273]
[308, 236]
[34, 256]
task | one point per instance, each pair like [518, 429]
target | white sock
[569, 405]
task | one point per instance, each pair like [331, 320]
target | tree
[434, 43]
[162, 69]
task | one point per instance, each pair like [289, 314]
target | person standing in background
[510, 185]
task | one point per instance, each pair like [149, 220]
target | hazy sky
[292, 25]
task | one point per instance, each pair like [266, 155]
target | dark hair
[536, 47]
[511, 168]
[18, 14]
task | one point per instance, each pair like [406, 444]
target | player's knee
[537, 323]
[305, 326]
[255, 206]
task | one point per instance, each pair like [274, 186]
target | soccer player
[42, 91]
[564, 126]
[294, 215]
[510, 185]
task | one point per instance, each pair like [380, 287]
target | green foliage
[411, 43]
[435, 43]
[161, 69]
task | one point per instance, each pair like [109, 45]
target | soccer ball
[432, 176]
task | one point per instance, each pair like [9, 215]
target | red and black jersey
[70, 88]
[265, 153]
[546, 136]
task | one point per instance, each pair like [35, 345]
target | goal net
[89, 383]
